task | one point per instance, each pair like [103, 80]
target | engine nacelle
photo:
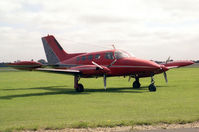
[92, 70]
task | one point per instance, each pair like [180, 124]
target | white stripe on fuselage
[115, 66]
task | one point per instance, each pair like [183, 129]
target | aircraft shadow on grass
[58, 90]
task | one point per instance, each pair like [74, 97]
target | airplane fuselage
[124, 64]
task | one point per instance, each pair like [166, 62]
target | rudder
[54, 52]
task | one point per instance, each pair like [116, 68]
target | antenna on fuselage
[113, 46]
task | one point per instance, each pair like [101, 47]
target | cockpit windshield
[121, 54]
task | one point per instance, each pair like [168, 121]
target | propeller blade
[104, 81]
[165, 77]
[129, 78]
[168, 60]
[112, 63]
[97, 65]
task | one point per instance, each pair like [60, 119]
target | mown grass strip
[34, 100]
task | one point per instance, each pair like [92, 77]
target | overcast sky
[150, 29]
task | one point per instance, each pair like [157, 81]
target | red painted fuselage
[124, 64]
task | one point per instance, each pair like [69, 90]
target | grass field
[34, 100]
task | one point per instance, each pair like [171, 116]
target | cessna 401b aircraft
[104, 64]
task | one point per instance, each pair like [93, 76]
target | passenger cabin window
[90, 57]
[78, 58]
[97, 56]
[83, 58]
[109, 55]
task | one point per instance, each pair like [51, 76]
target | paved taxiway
[172, 130]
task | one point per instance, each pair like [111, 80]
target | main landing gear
[136, 83]
[152, 87]
[78, 86]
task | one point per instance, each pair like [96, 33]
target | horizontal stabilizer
[25, 65]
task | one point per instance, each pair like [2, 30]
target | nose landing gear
[152, 87]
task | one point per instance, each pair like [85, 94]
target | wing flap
[59, 71]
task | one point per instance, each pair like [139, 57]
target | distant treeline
[3, 64]
[159, 62]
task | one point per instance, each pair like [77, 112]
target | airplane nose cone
[190, 63]
[142, 65]
[150, 65]
[153, 65]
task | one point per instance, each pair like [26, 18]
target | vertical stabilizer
[54, 52]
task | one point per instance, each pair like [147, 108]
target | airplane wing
[176, 64]
[34, 66]
[59, 71]
[171, 67]
[85, 70]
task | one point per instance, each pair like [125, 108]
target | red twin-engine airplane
[95, 64]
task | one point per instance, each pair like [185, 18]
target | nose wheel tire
[152, 88]
[80, 88]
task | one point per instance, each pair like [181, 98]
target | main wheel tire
[152, 88]
[80, 88]
[136, 84]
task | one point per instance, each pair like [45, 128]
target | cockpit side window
[97, 56]
[109, 55]
[119, 55]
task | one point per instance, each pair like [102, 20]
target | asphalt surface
[173, 130]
